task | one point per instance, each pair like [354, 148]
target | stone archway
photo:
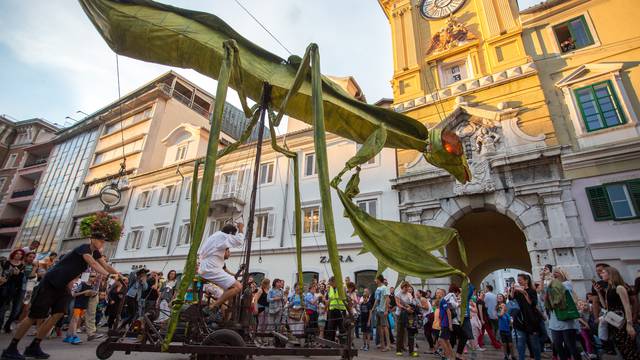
[492, 241]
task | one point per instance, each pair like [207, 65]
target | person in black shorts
[52, 296]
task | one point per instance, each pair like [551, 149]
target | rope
[264, 27]
[123, 165]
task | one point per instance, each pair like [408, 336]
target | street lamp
[110, 196]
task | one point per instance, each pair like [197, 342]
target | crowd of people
[526, 320]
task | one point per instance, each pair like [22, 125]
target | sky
[54, 63]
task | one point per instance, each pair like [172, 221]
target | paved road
[85, 351]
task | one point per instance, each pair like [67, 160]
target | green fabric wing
[164, 34]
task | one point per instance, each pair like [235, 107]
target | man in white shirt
[212, 256]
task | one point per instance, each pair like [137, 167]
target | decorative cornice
[602, 155]
[470, 86]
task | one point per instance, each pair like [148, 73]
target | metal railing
[21, 193]
[35, 162]
[184, 99]
[228, 192]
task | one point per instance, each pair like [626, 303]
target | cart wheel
[223, 337]
[103, 352]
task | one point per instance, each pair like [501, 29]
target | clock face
[438, 9]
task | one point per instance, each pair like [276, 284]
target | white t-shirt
[211, 253]
[404, 298]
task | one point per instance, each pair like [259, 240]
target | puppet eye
[451, 143]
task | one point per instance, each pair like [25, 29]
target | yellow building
[587, 53]
[463, 65]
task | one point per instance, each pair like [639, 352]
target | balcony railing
[35, 162]
[21, 193]
[184, 99]
[228, 192]
[9, 223]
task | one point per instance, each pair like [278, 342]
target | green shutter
[599, 202]
[634, 191]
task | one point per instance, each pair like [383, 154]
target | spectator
[559, 301]
[527, 322]
[311, 304]
[381, 311]
[11, 290]
[30, 279]
[365, 325]
[100, 309]
[82, 294]
[403, 300]
[616, 299]
[49, 261]
[427, 319]
[411, 323]
[585, 328]
[276, 299]
[167, 292]
[263, 305]
[444, 320]
[296, 315]
[115, 299]
[322, 314]
[134, 301]
[504, 327]
[33, 247]
[490, 325]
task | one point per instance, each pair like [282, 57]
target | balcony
[35, 162]
[9, 227]
[184, 99]
[22, 193]
[227, 198]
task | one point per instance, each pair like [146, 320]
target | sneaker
[414, 354]
[95, 337]
[366, 348]
[34, 351]
[11, 354]
[399, 353]
[75, 340]
[67, 339]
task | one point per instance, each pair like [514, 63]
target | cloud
[57, 37]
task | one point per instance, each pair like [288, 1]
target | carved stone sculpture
[450, 36]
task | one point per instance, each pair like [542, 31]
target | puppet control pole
[264, 104]
[205, 193]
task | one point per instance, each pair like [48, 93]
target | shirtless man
[212, 255]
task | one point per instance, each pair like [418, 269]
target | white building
[157, 220]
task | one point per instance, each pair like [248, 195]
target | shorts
[48, 299]
[77, 312]
[220, 278]
[382, 320]
[445, 333]
[505, 337]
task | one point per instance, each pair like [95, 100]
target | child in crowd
[585, 329]
[322, 315]
[412, 327]
[504, 326]
[365, 326]
[82, 294]
[101, 307]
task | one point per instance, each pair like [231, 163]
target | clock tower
[438, 43]
[461, 65]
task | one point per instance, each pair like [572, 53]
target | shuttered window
[599, 106]
[617, 201]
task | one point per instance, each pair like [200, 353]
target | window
[215, 225]
[134, 240]
[167, 195]
[144, 199]
[454, 72]
[159, 236]
[2, 181]
[310, 164]
[230, 184]
[117, 152]
[257, 277]
[187, 188]
[369, 206]
[618, 201]
[312, 222]
[11, 161]
[266, 173]
[372, 160]
[143, 115]
[366, 279]
[573, 34]
[95, 188]
[308, 277]
[184, 234]
[264, 225]
[181, 152]
[599, 106]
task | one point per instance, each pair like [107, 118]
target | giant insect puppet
[155, 32]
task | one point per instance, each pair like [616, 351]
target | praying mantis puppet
[155, 32]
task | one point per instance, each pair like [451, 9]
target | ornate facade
[469, 73]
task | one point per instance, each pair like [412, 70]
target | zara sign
[342, 259]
